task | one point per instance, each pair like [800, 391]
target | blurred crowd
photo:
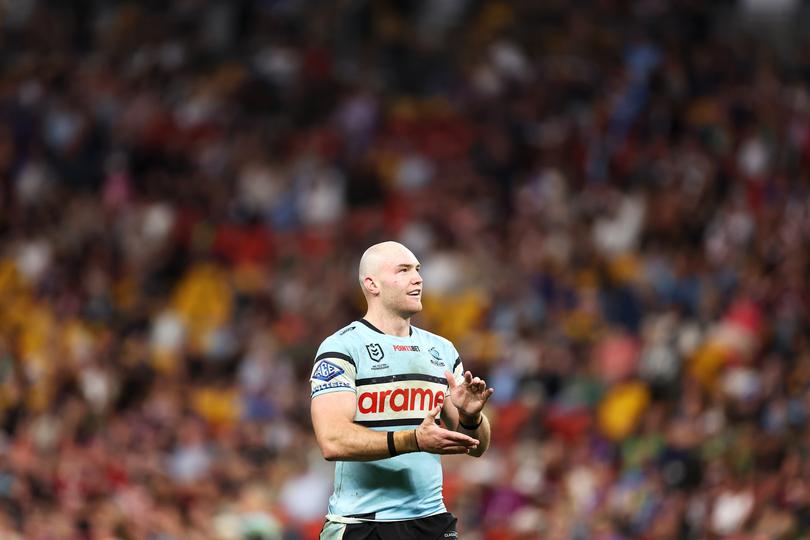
[610, 200]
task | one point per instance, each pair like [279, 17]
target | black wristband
[392, 449]
[471, 428]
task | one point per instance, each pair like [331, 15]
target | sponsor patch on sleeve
[326, 371]
[330, 386]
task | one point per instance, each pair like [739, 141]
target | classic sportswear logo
[406, 348]
[401, 399]
[326, 371]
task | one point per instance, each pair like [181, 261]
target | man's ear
[371, 285]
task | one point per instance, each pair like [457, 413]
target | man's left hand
[469, 397]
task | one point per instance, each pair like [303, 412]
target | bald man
[379, 386]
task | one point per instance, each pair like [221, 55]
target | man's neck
[390, 324]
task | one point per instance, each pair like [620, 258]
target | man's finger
[455, 450]
[445, 437]
[451, 381]
[455, 437]
[431, 415]
[468, 377]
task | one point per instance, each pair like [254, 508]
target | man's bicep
[332, 417]
[330, 411]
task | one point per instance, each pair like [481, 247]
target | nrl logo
[375, 352]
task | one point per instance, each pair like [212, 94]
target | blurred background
[610, 199]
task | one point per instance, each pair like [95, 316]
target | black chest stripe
[390, 423]
[401, 377]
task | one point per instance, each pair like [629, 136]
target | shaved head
[378, 254]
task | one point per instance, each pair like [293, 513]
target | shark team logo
[437, 359]
[326, 371]
[375, 352]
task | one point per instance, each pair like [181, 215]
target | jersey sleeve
[458, 368]
[334, 371]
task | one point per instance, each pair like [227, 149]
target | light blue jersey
[396, 382]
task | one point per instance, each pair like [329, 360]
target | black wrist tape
[471, 428]
[392, 449]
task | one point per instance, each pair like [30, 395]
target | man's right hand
[437, 440]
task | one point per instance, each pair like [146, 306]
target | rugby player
[379, 388]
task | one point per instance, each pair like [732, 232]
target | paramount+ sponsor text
[398, 400]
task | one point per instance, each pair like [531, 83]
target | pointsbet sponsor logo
[406, 348]
[400, 399]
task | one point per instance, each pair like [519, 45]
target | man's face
[401, 284]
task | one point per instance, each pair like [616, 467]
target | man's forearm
[352, 442]
[482, 433]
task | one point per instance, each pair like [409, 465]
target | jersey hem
[350, 520]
